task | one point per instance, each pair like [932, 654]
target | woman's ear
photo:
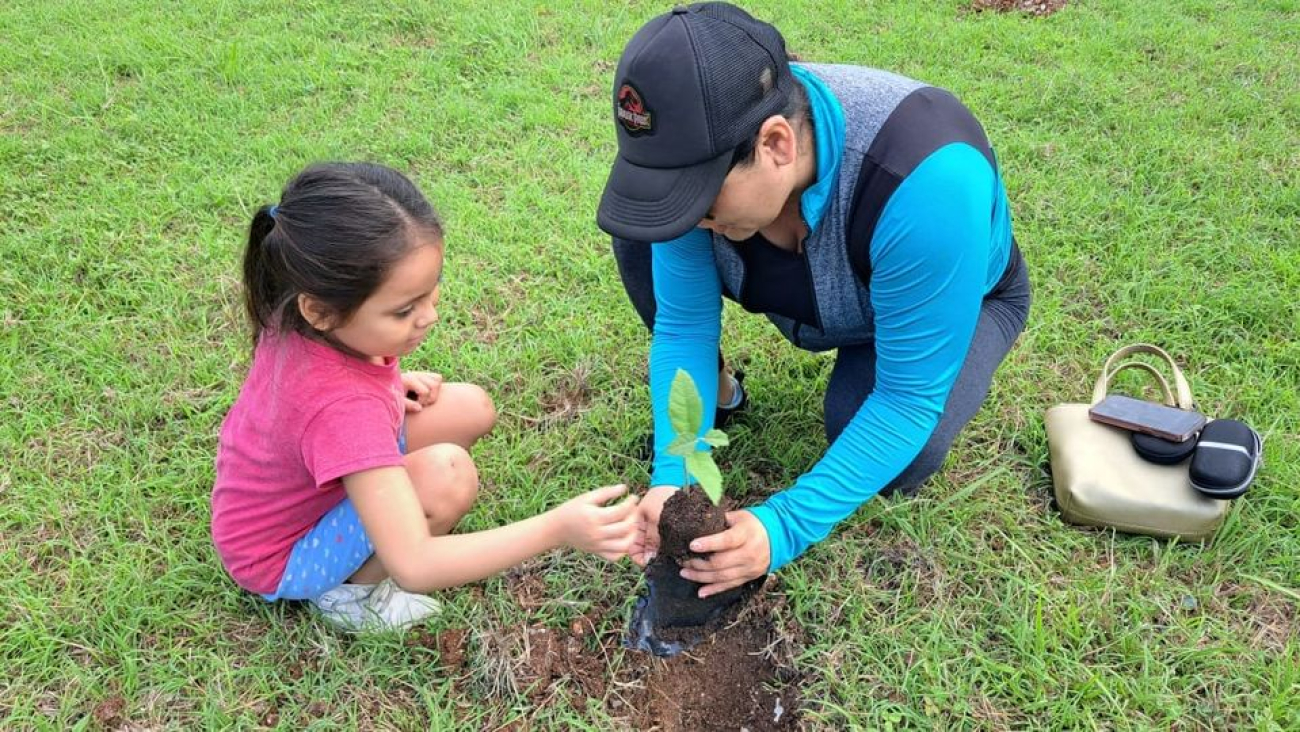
[317, 314]
[778, 140]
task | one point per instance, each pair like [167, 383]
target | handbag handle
[1109, 371]
[1159, 377]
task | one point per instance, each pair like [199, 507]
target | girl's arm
[386, 501]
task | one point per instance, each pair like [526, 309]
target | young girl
[339, 477]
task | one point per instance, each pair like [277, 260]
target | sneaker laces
[346, 594]
[381, 597]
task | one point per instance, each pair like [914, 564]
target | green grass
[1153, 161]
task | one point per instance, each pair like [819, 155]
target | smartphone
[1152, 418]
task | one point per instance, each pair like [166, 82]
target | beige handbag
[1101, 481]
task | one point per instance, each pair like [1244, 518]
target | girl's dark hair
[334, 235]
[796, 110]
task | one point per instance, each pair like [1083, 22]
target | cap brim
[659, 204]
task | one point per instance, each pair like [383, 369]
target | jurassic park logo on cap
[632, 112]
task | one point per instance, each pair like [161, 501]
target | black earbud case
[1227, 455]
[1161, 451]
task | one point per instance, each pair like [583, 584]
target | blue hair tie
[272, 211]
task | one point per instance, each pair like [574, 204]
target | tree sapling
[686, 413]
[671, 616]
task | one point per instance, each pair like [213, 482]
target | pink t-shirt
[307, 416]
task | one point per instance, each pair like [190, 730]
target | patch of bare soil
[891, 564]
[565, 401]
[527, 585]
[742, 677]
[552, 654]
[1271, 621]
[1030, 7]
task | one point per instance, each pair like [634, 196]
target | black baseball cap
[691, 85]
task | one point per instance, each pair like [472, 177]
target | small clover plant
[686, 413]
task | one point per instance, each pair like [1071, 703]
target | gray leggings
[1002, 318]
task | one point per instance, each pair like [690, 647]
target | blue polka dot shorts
[326, 556]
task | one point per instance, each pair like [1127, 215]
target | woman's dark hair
[334, 235]
[796, 110]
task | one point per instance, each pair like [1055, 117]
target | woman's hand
[585, 523]
[737, 555]
[425, 388]
[647, 537]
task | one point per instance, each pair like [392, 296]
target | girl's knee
[476, 409]
[445, 478]
[485, 410]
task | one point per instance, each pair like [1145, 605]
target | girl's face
[394, 320]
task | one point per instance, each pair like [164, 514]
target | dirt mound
[1031, 7]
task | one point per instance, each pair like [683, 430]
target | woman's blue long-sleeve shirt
[930, 259]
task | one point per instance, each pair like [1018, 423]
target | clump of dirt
[686, 516]
[451, 645]
[1030, 7]
[451, 648]
[110, 713]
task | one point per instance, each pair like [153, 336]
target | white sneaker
[385, 606]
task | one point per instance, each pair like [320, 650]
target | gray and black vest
[891, 125]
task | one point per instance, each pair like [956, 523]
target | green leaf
[716, 438]
[701, 465]
[684, 445]
[685, 410]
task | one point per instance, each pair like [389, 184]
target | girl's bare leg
[462, 414]
[446, 481]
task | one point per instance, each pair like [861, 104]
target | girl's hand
[585, 523]
[647, 537]
[421, 389]
[737, 555]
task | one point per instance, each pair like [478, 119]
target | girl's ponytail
[261, 285]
